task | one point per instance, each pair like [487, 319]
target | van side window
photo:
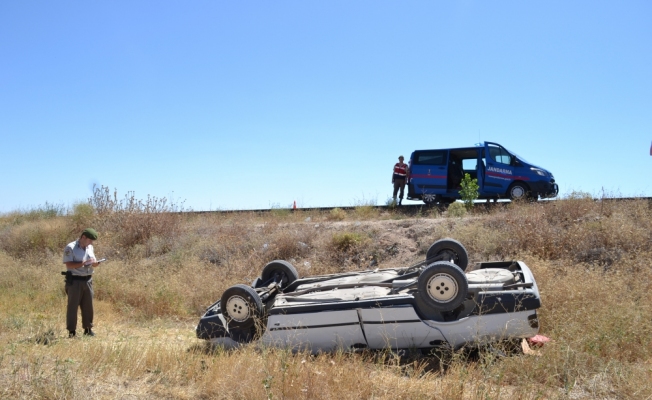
[500, 155]
[431, 157]
[469, 164]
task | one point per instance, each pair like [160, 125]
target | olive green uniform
[79, 286]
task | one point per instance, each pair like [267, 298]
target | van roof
[464, 152]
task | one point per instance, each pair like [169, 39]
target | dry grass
[591, 261]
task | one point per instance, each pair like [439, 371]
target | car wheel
[241, 306]
[442, 286]
[448, 250]
[518, 191]
[283, 272]
[430, 199]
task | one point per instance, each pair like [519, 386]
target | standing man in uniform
[399, 175]
[80, 261]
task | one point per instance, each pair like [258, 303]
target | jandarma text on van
[501, 170]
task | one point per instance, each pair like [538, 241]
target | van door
[428, 172]
[480, 168]
[499, 173]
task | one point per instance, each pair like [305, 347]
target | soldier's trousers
[399, 184]
[80, 295]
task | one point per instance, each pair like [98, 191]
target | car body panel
[486, 328]
[397, 328]
[325, 331]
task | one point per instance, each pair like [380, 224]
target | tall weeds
[131, 222]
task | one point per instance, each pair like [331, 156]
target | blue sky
[245, 105]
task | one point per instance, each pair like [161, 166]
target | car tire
[442, 286]
[448, 250]
[241, 307]
[284, 271]
[519, 191]
[431, 199]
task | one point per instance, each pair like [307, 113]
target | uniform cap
[90, 233]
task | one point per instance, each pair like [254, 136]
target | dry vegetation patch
[591, 261]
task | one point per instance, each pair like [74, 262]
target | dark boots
[87, 332]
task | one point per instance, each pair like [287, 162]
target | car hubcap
[442, 288]
[517, 192]
[429, 198]
[237, 308]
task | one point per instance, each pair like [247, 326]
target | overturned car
[429, 304]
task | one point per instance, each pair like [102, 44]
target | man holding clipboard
[79, 258]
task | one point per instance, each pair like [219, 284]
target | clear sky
[256, 104]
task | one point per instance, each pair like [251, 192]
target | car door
[428, 171]
[397, 327]
[315, 331]
[499, 172]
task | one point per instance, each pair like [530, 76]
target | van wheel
[430, 199]
[442, 286]
[518, 191]
[448, 250]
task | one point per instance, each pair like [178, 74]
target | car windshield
[518, 156]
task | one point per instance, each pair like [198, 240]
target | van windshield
[519, 157]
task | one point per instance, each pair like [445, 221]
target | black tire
[284, 271]
[241, 306]
[519, 191]
[442, 286]
[448, 250]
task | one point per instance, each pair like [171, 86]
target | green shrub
[336, 214]
[280, 212]
[365, 209]
[347, 241]
[366, 212]
[456, 209]
[82, 215]
[469, 191]
[391, 203]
